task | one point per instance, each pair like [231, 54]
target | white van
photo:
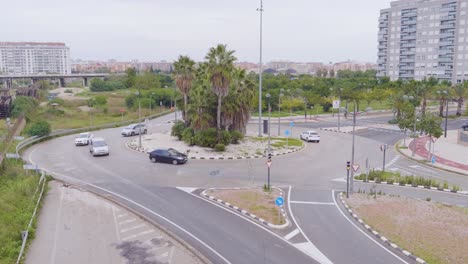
[98, 147]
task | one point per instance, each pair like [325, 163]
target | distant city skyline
[299, 30]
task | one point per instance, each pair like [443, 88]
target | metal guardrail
[31, 140]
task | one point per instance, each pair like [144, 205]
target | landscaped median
[256, 203]
[426, 231]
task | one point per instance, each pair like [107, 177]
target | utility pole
[384, 149]
[260, 74]
[348, 168]
[352, 149]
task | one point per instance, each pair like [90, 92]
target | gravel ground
[247, 147]
[434, 232]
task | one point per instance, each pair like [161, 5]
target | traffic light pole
[384, 151]
[348, 167]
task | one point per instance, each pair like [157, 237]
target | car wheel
[144, 132]
[175, 162]
[133, 133]
[154, 160]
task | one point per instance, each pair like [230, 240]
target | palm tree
[198, 111]
[424, 89]
[220, 65]
[460, 91]
[183, 75]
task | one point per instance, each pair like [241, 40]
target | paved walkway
[75, 226]
[449, 154]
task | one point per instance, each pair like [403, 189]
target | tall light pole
[139, 119]
[352, 150]
[175, 104]
[446, 112]
[279, 111]
[269, 117]
[260, 74]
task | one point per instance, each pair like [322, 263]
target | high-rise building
[424, 38]
[28, 58]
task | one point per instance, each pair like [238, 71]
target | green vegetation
[39, 128]
[23, 105]
[17, 201]
[391, 177]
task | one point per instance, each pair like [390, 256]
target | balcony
[409, 13]
[408, 45]
[447, 26]
[448, 18]
[407, 60]
[446, 43]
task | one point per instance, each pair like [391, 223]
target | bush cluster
[23, 104]
[39, 128]
[205, 138]
[389, 177]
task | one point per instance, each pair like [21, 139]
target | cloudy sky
[149, 30]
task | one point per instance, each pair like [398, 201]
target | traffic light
[269, 156]
[348, 165]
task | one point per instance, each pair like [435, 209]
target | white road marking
[339, 180]
[414, 166]
[131, 228]
[187, 189]
[292, 234]
[317, 203]
[310, 249]
[127, 221]
[139, 234]
[360, 230]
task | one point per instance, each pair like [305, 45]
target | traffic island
[434, 232]
[257, 204]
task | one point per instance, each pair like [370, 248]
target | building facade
[420, 39]
[31, 58]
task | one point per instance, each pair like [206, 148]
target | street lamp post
[352, 150]
[175, 104]
[139, 119]
[269, 117]
[406, 98]
[446, 113]
[279, 111]
[260, 74]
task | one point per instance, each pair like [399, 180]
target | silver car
[98, 147]
[134, 129]
[310, 136]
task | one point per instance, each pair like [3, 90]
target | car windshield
[83, 136]
[173, 152]
[99, 144]
[313, 133]
[130, 126]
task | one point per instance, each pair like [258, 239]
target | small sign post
[279, 202]
[122, 112]
[287, 134]
[383, 148]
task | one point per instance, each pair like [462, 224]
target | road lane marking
[310, 249]
[360, 230]
[292, 234]
[139, 234]
[187, 189]
[317, 203]
[127, 221]
[131, 228]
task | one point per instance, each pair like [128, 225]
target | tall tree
[220, 66]
[424, 89]
[183, 75]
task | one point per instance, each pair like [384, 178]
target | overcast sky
[153, 30]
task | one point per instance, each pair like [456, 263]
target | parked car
[83, 139]
[134, 129]
[310, 136]
[98, 147]
[465, 126]
[167, 156]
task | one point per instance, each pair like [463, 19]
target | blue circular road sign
[279, 201]
[287, 132]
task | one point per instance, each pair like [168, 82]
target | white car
[98, 147]
[134, 129]
[83, 139]
[310, 136]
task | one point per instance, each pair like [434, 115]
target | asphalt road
[223, 237]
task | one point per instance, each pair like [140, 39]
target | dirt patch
[68, 93]
[254, 201]
[434, 232]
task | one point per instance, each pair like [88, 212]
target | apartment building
[418, 39]
[30, 58]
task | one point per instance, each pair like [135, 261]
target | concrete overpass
[8, 79]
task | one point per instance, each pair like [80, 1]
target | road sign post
[287, 133]
[279, 202]
[348, 167]
[384, 149]
[268, 163]
[291, 124]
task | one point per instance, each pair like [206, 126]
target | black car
[167, 156]
[465, 126]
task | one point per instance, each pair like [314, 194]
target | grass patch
[17, 202]
[280, 142]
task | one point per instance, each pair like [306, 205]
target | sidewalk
[75, 226]
[449, 155]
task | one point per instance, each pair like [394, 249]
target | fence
[18, 126]
[31, 140]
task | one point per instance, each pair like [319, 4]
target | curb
[339, 131]
[244, 212]
[415, 186]
[424, 162]
[379, 236]
[295, 149]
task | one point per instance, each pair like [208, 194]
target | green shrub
[393, 121]
[220, 147]
[446, 186]
[177, 129]
[68, 91]
[224, 137]
[206, 138]
[39, 128]
[23, 104]
[236, 136]
[188, 135]
[54, 112]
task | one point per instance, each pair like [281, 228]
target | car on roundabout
[98, 147]
[83, 139]
[134, 129]
[465, 126]
[310, 136]
[169, 155]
